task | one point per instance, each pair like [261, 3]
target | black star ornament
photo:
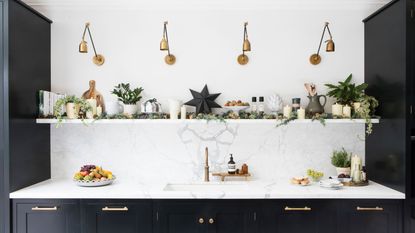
[203, 101]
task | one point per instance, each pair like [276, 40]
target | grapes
[315, 175]
[87, 168]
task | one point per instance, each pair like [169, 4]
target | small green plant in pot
[346, 92]
[341, 160]
[75, 108]
[366, 110]
[129, 97]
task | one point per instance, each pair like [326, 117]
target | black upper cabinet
[106, 216]
[46, 216]
[25, 61]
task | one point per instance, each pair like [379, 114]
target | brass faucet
[206, 165]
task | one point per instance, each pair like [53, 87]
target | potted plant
[75, 107]
[366, 110]
[341, 160]
[128, 97]
[347, 93]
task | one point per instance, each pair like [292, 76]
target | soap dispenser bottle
[231, 166]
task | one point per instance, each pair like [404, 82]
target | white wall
[206, 37]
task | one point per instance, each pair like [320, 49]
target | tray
[223, 175]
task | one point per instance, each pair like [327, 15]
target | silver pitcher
[151, 106]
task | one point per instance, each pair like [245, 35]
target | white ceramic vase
[113, 107]
[71, 111]
[130, 109]
[343, 170]
[174, 107]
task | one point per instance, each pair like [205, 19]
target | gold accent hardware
[37, 208]
[305, 208]
[315, 58]
[201, 220]
[246, 47]
[206, 165]
[106, 208]
[98, 59]
[170, 59]
[369, 208]
[211, 221]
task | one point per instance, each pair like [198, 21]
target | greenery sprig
[81, 104]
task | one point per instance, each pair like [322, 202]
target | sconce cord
[167, 39]
[321, 40]
[245, 37]
[92, 42]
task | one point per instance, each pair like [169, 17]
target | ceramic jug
[314, 106]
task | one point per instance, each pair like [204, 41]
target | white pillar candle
[337, 109]
[183, 112]
[287, 111]
[301, 113]
[93, 103]
[174, 109]
[356, 105]
[99, 111]
[347, 111]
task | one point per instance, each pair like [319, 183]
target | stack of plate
[331, 184]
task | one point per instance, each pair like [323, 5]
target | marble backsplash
[174, 152]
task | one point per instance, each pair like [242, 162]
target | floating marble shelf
[167, 121]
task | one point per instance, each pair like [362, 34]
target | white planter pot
[113, 107]
[130, 109]
[343, 170]
[71, 111]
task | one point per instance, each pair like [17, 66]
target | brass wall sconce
[170, 59]
[315, 59]
[98, 59]
[246, 47]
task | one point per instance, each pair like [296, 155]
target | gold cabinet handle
[201, 220]
[305, 208]
[369, 208]
[211, 221]
[37, 208]
[106, 208]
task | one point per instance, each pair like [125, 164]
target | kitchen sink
[208, 187]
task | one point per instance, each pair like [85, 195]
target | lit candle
[287, 111]
[301, 113]
[347, 111]
[99, 111]
[183, 112]
[337, 109]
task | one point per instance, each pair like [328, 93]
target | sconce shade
[330, 46]
[246, 45]
[164, 45]
[83, 47]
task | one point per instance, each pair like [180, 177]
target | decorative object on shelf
[366, 110]
[174, 108]
[296, 104]
[112, 107]
[274, 103]
[93, 111]
[261, 106]
[99, 111]
[356, 169]
[129, 97]
[287, 111]
[46, 101]
[75, 108]
[170, 59]
[183, 112]
[337, 110]
[315, 58]
[341, 160]
[92, 93]
[98, 59]
[246, 47]
[314, 106]
[151, 106]
[254, 106]
[347, 111]
[311, 89]
[236, 106]
[93, 176]
[203, 101]
[346, 92]
[315, 175]
[301, 113]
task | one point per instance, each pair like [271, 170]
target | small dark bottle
[231, 166]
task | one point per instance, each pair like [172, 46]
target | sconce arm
[92, 41]
[322, 36]
[167, 37]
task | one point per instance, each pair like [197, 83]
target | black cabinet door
[107, 216]
[383, 216]
[293, 216]
[229, 216]
[45, 216]
[174, 216]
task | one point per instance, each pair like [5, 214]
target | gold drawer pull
[37, 208]
[305, 208]
[201, 220]
[106, 208]
[369, 209]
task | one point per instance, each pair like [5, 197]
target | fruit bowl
[93, 176]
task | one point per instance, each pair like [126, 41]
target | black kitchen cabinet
[109, 216]
[214, 216]
[380, 216]
[46, 216]
[293, 216]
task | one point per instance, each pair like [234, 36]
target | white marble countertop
[67, 189]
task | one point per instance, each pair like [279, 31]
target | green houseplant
[366, 110]
[129, 97]
[346, 92]
[75, 108]
[341, 160]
